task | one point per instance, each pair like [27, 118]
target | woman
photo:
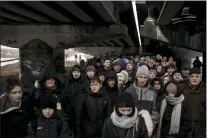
[175, 116]
[15, 110]
[125, 121]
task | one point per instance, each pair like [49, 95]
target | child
[48, 124]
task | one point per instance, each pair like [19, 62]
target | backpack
[59, 125]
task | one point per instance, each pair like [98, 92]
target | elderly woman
[15, 110]
[125, 121]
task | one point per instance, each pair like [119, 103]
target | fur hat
[124, 75]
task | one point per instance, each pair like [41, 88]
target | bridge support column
[37, 59]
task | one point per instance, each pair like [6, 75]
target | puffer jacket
[14, 120]
[52, 127]
[197, 97]
[145, 98]
[96, 108]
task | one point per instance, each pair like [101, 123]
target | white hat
[123, 75]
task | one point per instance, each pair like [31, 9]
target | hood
[123, 63]
[161, 82]
[50, 75]
[6, 106]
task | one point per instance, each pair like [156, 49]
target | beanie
[48, 102]
[90, 68]
[125, 100]
[76, 68]
[102, 74]
[195, 70]
[171, 87]
[143, 70]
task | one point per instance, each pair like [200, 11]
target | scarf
[176, 114]
[126, 122]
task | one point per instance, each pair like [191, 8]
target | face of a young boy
[47, 112]
[95, 86]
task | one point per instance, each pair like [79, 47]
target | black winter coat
[186, 126]
[75, 95]
[41, 93]
[112, 131]
[112, 93]
[96, 108]
[48, 128]
[14, 120]
[160, 93]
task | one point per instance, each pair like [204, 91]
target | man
[117, 66]
[197, 63]
[195, 93]
[106, 66]
[95, 109]
[143, 95]
[74, 94]
[170, 68]
[90, 72]
[177, 78]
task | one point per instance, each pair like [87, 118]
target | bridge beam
[178, 38]
[66, 36]
[168, 11]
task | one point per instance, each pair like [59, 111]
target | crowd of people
[109, 97]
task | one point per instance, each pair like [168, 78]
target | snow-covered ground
[9, 62]
[67, 59]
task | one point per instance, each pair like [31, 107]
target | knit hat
[102, 74]
[143, 70]
[76, 68]
[124, 75]
[194, 70]
[90, 68]
[170, 65]
[125, 100]
[48, 102]
[171, 87]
